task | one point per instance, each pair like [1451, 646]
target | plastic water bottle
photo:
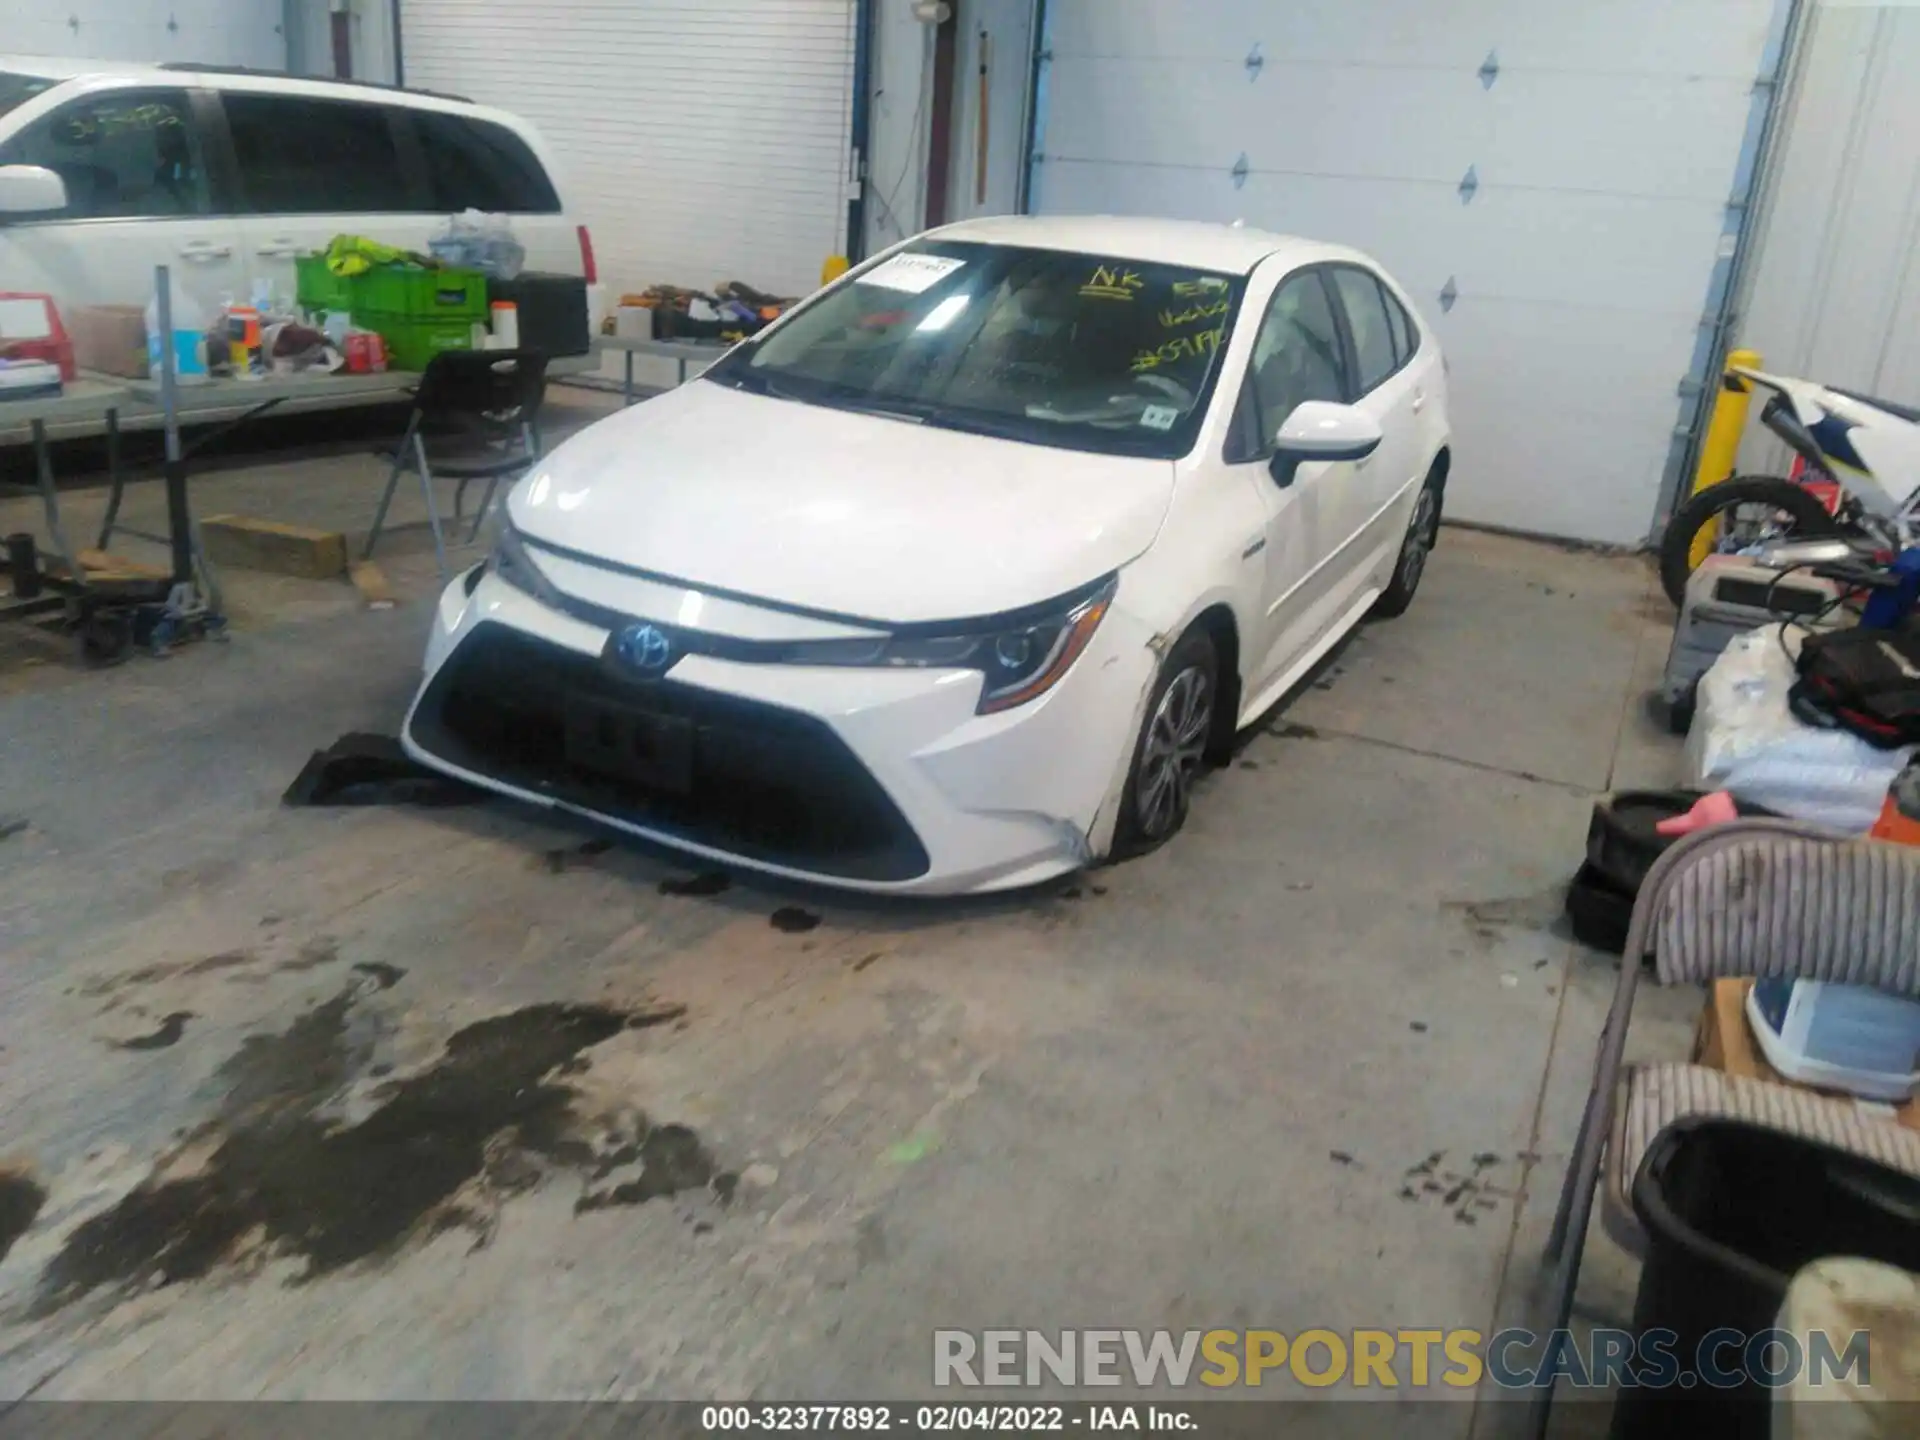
[189, 337]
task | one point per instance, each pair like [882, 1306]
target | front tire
[1171, 749]
[1799, 515]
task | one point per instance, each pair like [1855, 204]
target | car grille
[752, 779]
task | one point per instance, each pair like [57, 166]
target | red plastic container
[50, 344]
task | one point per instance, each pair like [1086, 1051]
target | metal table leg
[683, 369]
[116, 480]
[50, 502]
[626, 385]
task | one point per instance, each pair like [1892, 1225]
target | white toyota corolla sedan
[955, 578]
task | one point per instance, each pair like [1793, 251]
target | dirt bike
[1861, 450]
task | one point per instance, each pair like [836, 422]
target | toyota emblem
[645, 648]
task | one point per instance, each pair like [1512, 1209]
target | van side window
[478, 165]
[309, 157]
[122, 153]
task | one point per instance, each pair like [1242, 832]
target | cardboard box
[1722, 1040]
[111, 339]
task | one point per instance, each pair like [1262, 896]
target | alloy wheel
[1175, 746]
[1419, 542]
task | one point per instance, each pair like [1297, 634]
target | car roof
[218, 77]
[1205, 245]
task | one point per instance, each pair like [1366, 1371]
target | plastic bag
[1745, 739]
[475, 241]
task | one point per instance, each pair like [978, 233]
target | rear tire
[1423, 530]
[1806, 519]
[1171, 749]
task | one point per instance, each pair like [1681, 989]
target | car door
[1370, 514]
[306, 168]
[134, 163]
[1299, 354]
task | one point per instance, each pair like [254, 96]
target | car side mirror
[1323, 431]
[30, 190]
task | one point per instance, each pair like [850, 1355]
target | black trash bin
[1731, 1211]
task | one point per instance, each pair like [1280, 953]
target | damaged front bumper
[873, 779]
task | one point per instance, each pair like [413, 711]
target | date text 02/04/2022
[943, 1418]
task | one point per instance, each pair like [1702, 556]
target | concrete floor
[1183, 1092]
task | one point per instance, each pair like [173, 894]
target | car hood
[828, 510]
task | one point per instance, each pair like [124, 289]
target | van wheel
[1171, 749]
[1422, 531]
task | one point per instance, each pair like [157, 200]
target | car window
[1406, 335]
[1055, 347]
[1296, 355]
[1367, 318]
[16, 89]
[309, 157]
[478, 165]
[121, 153]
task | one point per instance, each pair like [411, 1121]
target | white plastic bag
[1746, 739]
[480, 242]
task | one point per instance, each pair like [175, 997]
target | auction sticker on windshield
[911, 273]
[1159, 417]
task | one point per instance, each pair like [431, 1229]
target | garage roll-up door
[1550, 179]
[700, 139]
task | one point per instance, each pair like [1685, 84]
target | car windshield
[16, 90]
[1049, 346]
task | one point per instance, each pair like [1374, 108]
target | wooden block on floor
[250, 544]
[104, 564]
[371, 582]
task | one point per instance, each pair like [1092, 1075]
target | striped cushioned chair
[1757, 897]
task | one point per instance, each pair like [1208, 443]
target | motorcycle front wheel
[1740, 514]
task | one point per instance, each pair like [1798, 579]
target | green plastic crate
[317, 288]
[413, 290]
[413, 340]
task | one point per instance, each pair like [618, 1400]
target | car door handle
[282, 245]
[205, 250]
[1419, 401]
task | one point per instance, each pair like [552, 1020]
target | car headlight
[512, 564]
[1020, 655]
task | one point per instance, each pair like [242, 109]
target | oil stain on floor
[21, 1197]
[280, 1178]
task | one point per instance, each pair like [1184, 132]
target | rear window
[16, 90]
[311, 157]
[478, 165]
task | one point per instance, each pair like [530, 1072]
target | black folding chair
[490, 401]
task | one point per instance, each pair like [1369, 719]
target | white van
[227, 176]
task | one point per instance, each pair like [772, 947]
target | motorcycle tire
[1810, 521]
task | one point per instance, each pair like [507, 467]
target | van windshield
[16, 90]
[1086, 352]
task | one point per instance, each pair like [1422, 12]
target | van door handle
[1419, 401]
[205, 250]
[282, 245]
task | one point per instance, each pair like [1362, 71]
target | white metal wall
[1836, 283]
[702, 140]
[215, 32]
[1551, 180]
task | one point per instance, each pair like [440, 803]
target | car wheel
[1172, 746]
[1422, 531]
